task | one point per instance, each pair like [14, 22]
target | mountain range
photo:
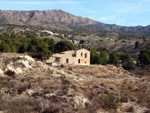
[61, 20]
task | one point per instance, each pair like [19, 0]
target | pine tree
[113, 59]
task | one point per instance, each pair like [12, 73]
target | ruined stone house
[79, 57]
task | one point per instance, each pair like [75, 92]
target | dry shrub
[89, 70]
[107, 102]
[102, 75]
[27, 105]
[47, 106]
[131, 86]
[110, 101]
[84, 69]
[18, 106]
[125, 90]
[130, 109]
[144, 98]
[10, 73]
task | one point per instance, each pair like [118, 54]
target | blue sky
[120, 12]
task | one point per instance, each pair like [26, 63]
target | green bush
[137, 44]
[141, 71]
[144, 57]
[113, 59]
[63, 45]
[111, 101]
[103, 56]
[130, 65]
[82, 41]
[125, 57]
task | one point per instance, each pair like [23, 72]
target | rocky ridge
[61, 20]
[55, 19]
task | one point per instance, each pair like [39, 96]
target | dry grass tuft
[99, 75]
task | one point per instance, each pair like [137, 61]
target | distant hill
[61, 20]
[54, 19]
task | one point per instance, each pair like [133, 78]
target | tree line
[103, 57]
[45, 47]
[13, 43]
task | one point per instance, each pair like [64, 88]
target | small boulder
[1, 72]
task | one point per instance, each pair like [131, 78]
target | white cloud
[91, 11]
[40, 2]
[106, 18]
[85, 10]
[133, 7]
[121, 20]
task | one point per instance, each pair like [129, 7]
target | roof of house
[82, 49]
[65, 53]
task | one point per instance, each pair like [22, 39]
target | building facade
[78, 57]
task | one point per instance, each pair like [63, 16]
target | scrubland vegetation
[116, 82]
[40, 88]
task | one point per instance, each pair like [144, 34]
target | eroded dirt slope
[30, 86]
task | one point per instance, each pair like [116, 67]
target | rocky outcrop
[19, 65]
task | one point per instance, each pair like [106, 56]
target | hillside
[28, 86]
[103, 39]
[60, 20]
